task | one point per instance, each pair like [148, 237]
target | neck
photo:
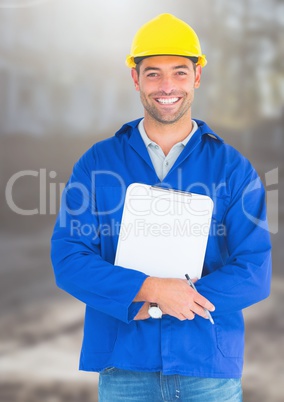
[167, 135]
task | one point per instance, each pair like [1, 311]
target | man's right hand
[174, 297]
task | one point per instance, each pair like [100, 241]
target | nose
[167, 85]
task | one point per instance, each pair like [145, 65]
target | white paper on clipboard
[164, 232]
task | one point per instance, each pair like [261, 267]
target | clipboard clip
[171, 190]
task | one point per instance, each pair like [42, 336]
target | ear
[197, 76]
[135, 77]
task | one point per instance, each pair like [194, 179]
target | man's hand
[174, 297]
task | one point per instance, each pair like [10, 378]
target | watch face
[155, 312]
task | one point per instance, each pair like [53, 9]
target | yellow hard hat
[165, 35]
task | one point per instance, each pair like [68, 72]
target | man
[182, 355]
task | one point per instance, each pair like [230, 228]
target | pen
[191, 284]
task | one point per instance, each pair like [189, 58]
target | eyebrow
[184, 66]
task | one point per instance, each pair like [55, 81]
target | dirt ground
[41, 327]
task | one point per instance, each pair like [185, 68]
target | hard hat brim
[132, 61]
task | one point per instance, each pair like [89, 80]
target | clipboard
[164, 232]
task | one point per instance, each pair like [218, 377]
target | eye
[181, 73]
[152, 75]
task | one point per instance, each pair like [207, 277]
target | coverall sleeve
[244, 277]
[76, 255]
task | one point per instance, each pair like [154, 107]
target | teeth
[167, 101]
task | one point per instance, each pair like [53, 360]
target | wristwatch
[154, 311]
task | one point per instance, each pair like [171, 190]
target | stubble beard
[163, 117]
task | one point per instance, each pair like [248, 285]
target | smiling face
[166, 85]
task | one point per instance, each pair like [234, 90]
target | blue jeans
[117, 385]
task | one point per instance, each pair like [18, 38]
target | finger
[189, 314]
[174, 313]
[199, 311]
[203, 302]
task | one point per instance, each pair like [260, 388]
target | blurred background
[64, 86]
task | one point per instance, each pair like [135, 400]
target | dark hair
[137, 61]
